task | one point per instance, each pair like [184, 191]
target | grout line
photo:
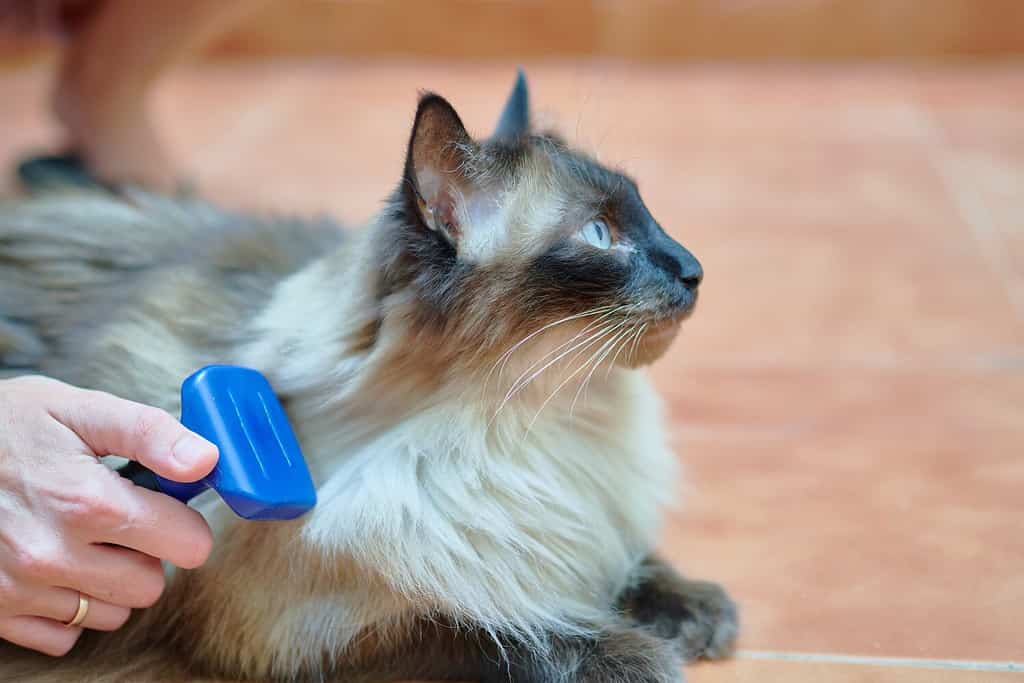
[973, 211]
[949, 664]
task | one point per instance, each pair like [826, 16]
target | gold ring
[83, 610]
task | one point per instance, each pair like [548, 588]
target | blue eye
[596, 234]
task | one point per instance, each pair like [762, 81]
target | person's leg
[112, 60]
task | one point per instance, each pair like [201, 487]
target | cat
[464, 377]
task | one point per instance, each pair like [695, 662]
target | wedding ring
[83, 610]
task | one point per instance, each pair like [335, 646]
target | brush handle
[141, 476]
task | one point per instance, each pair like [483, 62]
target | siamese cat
[464, 377]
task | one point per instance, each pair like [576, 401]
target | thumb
[114, 426]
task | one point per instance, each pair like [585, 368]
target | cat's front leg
[697, 615]
[662, 620]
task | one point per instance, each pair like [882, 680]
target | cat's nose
[687, 269]
[676, 262]
[690, 272]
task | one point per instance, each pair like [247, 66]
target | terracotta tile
[747, 671]
[855, 511]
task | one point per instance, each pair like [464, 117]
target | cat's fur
[468, 527]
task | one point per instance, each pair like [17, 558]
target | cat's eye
[596, 234]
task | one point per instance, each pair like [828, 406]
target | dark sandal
[50, 172]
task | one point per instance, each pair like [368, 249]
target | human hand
[69, 525]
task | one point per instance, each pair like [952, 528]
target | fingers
[161, 526]
[41, 634]
[61, 605]
[114, 426]
[68, 524]
[100, 507]
[116, 575]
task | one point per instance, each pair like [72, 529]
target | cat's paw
[708, 621]
[698, 615]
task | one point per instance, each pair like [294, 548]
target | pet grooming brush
[261, 473]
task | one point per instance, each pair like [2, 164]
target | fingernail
[190, 449]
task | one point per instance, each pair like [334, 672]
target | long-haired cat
[462, 375]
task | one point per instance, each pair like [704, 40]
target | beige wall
[645, 29]
[635, 29]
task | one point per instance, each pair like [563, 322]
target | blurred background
[661, 30]
[848, 399]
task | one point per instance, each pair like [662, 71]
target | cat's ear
[435, 163]
[440, 152]
[514, 121]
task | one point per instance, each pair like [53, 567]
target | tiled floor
[849, 398]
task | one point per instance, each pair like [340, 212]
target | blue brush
[261, 473]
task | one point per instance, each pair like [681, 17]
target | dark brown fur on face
[543, 273]
[366, 337]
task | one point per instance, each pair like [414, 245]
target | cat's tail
[59, 248]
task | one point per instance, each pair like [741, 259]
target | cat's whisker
[597, 354]
[581, 346]
[631, 342]
[600, 354]
[617, 341]
[593, 337]
[507, 356]
[606, 345]
[504, 358]
[620, 342]
[596, 336]
[636, 342]
[607, 311]
[625, 334]
[623, 345]
[561, 346]
[637, 332]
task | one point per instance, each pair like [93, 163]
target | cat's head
[519, 236]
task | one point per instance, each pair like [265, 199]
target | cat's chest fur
[481, 512]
